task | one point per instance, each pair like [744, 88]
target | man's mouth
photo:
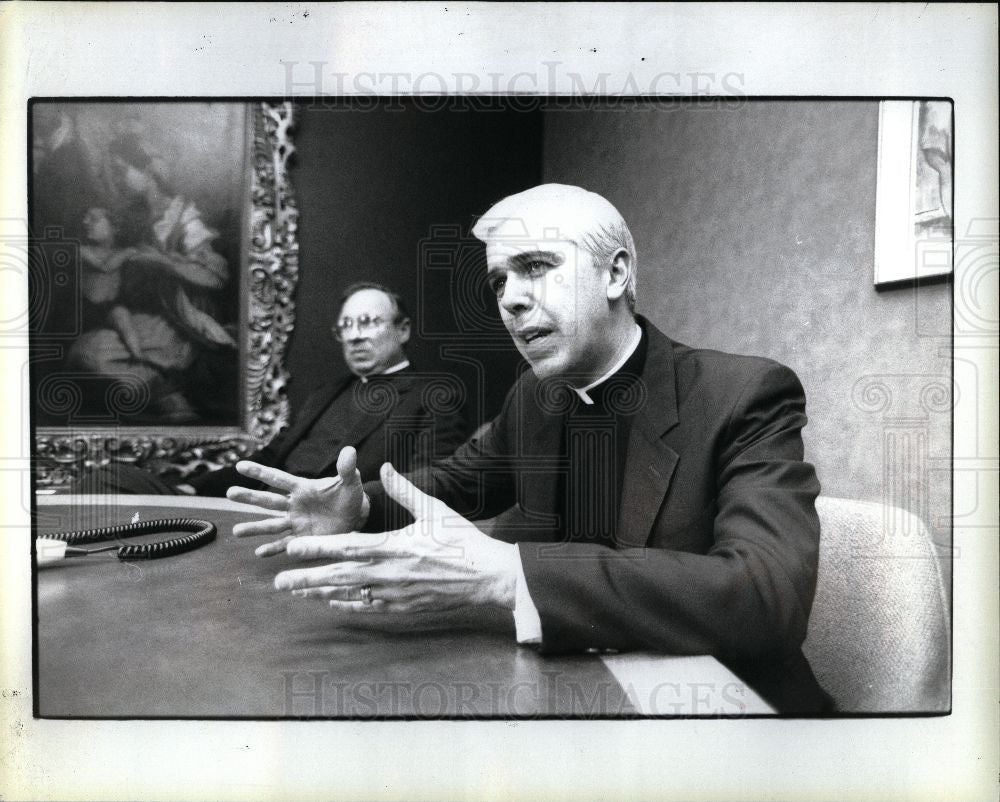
[533, 335]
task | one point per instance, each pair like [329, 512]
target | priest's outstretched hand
[305, 507]
[440, 561]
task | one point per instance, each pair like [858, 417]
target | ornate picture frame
[89, 410]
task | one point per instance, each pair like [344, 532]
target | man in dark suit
[383, 408]
[664, 501]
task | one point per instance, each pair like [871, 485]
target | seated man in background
[383, 408]
[665, 501]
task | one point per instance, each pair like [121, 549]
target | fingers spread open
[270, 549]
[326, 593]
[271, 476]
[301, 578]
[265, 526]
[347, 463]
[404, 492]
[331, 593]
[261, 498]
[350, 574]
[377, 606]
[349, 546]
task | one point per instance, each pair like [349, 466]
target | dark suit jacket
[409, 421]
[717, 533]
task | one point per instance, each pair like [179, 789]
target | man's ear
[619, 273]
[404, 330]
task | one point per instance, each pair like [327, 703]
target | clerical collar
[394, 369]
[584, 392]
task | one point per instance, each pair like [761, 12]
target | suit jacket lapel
[366, 421]
[361, 425]
[650, 462]
[311, 410]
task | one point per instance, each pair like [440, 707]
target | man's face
[371, 340]
[553, 300]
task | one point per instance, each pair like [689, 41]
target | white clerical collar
[584, 392]
[394, 369]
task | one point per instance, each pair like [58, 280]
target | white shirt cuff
[527, 623]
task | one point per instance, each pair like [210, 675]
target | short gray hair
[603, 242]
[575, 214]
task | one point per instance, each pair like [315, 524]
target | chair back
[879, 635]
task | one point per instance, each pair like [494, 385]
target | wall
[388, 194]
[755, 228]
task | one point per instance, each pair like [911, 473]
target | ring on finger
[366, 594]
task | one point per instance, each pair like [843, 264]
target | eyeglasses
[363, 325]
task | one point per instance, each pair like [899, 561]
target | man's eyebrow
[525, 257]
[520, 260]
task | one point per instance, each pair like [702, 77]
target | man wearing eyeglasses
[667, 502]
[372, 328]
[383, 408]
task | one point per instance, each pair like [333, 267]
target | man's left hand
[439, 562]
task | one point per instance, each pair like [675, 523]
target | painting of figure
[933, 158]
[146, 204]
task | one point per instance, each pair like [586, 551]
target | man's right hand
[314, 507]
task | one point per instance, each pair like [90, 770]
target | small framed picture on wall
[913, 195]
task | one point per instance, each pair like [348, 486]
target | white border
[877, 50]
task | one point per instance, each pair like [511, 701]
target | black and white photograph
[626, 521]
[404, 405]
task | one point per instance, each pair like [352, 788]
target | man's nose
[518, 294]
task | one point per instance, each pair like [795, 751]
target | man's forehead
[368, 300]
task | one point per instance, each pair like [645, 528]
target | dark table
[204, 634]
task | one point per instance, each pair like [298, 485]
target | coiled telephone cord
[201, 532]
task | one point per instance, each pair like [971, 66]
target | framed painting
[913, 193]
[163, 263]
